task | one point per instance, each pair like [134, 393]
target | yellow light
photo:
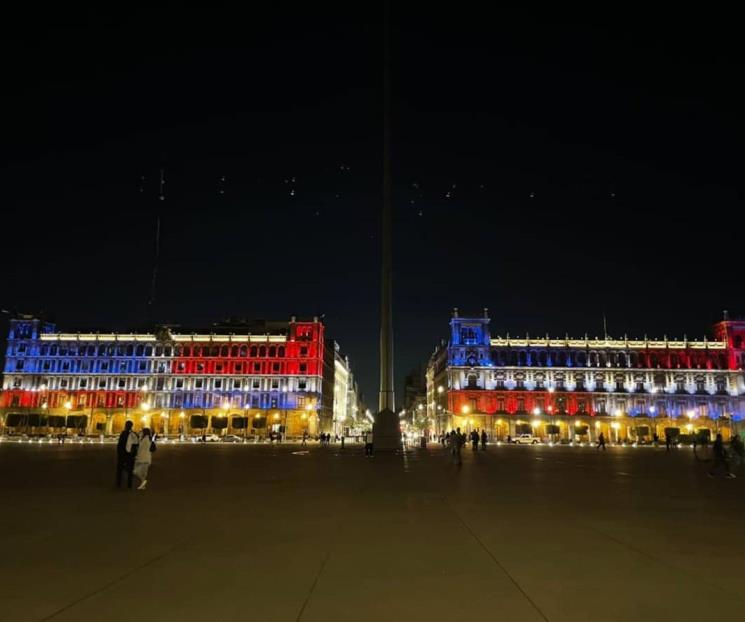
[615, 425]
[68, 404]
[535, 423]
[44, 405]
[304, 416]
[464, 409]
[689, 427]
[257, 416]
[225, 405]
[276, 415]
[440, 389]
[536, 411]
[617, 413]
[182, 414]
[145, 406]
[597, 424]
[499, 422]
[309, 407]
[577, 424]
[691, 414]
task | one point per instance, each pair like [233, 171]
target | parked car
[232, 438]
[526, 439]
[210, 438]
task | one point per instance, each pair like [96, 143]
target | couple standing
[134, 455]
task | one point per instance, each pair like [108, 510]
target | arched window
[148, 350]
[234, 351]
[281, 351]
[186, 351]
[253, 351]
[214, 351]
[139, 350]
[158, 350]
[224, 351]
[262, 351]
[272, 351]
[167, 351]
[243, 351]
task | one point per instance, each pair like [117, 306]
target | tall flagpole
[386, 398]
[386, 430]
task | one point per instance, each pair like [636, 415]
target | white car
[526, 439]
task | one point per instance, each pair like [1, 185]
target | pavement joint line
[313, 585]
[497, 562]
[667, 564]
[109, 584]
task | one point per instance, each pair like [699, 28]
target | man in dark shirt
[125, 455]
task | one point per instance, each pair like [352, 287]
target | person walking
[369, 442]
[601, 442]
[305, 438]
[720, 459]
[144, 457]
[483, 440]
[668, 441]
[126, 448]
[474, 440]
[738, 452]
[456, 442]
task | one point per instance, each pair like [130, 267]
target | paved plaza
[259, 532]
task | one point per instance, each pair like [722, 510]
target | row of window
[167, 384]
[140, 350]
[132, 367]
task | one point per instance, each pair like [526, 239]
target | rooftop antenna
[605, 326]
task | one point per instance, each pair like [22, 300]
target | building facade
[574, 389]
[247, 378]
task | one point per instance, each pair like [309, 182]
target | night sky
[551, 171]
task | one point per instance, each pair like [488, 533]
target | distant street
[259, 532]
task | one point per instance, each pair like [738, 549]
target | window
[198, 383]
[83, 383]
[520, 383]
[16, 384]
[122, 383]
[639, 386]
[142, 366]
[500, 405]
[19, 365]
[239, 368]
[217, 383]
[218, 367]
[46, 365]
[275, 383]
[102, 384]
[123, 367]
[256, 383]
[619, 384]
[236, 384]
[680, 385]
[140, 383]
[304, 351]
[181, 367]
[257, 367]
[521, 405]
[160, 384]
[302, 384]
[581, 406]
[104, 366]
[275, 367]
[700, 385]
[301, 402]
[721, 385]
[179, 383]
[272, 351]
[200, 367]
[601, 406]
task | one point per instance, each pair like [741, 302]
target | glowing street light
[536, 411]
[465, 409]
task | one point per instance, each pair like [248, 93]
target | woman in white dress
[144, 457]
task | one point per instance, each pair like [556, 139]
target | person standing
[126, 448]
[456, 442]
[483, 440]
[305, 438]
[601, 442]
[720, 458]
[144, 458]
[474, 440]
[668, 441]
[369, 443]
[738, 452]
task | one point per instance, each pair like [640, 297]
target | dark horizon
[553, 172]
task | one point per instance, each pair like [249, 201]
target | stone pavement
[259, 532]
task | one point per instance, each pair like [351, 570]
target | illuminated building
[574, 389]
[245, 378]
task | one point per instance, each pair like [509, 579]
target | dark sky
[591, 166]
